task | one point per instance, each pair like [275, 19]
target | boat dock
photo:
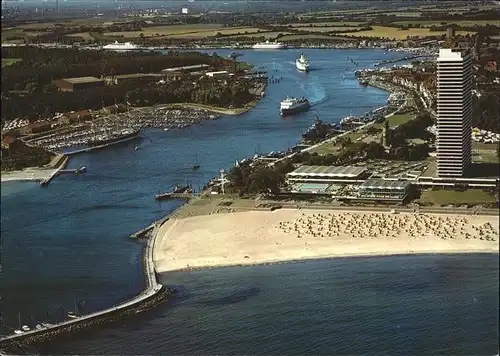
[88, 149]
[152, 295]
[60, 160]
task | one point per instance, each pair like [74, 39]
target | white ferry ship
[302, 63]
[269, 45]
[291, 106]
[127, 46]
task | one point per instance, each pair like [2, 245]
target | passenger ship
[269, 45]
[291, 106]
[302, 63]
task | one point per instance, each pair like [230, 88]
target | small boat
[136, 148]
[72, 315]
[82, 169]
[25, 328]
[197, 165]
[163, 196]
[18, 332]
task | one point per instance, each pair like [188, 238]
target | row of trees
[136, 92]
[42, 66]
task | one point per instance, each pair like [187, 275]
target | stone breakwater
[154, 294]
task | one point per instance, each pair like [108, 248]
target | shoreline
[339, 256]
[213, 241]
[36, 174]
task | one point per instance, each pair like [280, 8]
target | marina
[110, 130]
[217, 143]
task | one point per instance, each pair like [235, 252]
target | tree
[264, 180]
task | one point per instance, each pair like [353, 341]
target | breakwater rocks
[13, 345]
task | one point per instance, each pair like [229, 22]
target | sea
[66, 247]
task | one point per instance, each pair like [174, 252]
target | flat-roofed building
[380, 189]
[454, 112]
[326, 174]
[72, 84]
[192, 68]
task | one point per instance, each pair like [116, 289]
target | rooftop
[82, 80]
[381, 184]
[195, 66]
[328, 171]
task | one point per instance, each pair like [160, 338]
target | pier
[148, 298]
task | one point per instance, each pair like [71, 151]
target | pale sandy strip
[226, 239]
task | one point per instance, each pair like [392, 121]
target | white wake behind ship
[302, 63]
[127, 46]
[269, 45]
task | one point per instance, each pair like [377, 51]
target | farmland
[429, 23]
[398, 34]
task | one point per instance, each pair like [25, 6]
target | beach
[28, 174]
[259, 237]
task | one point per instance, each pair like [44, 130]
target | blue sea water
[69, 242]
[404, 305]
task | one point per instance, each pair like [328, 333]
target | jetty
[153, 294]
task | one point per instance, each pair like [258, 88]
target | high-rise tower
[454, 103]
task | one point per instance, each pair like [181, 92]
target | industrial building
[327, 174]
[380, 189]
[73, 84]
[454, 111]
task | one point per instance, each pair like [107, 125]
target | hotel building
[454, 104]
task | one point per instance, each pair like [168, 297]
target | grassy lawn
[398, 34]
[8, 61]
[399, 119]
[484, 152]
[447, 197]
[332, 147]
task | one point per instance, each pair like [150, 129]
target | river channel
[68, 244]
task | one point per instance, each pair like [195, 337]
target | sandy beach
[28, 174]
[257, 237]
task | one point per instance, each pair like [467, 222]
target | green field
[398, 119]
[267, 35]
[329, 24]
[332, 147]
[484, 152]
[398, 34]
[451, 197]
[188, 31]
[307, 37]
[429, 23]
[8, 61]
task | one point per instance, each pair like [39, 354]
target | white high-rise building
[454, 103]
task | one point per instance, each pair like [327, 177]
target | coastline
[36, 174]
[214, 241]
[215, 109]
